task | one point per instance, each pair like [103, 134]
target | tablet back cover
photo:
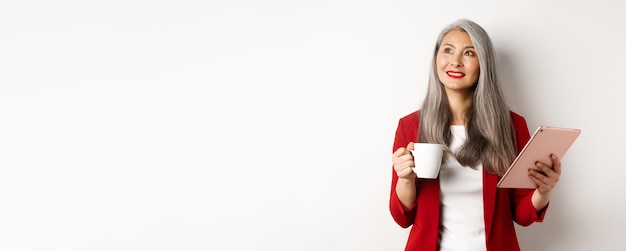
[544, 141]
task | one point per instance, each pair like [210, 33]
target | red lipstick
[455, 74]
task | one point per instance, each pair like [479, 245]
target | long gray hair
[490, 136]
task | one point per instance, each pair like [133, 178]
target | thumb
[410, 146]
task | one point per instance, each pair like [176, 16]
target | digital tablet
[545, 141]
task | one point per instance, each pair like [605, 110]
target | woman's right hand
[403, 162]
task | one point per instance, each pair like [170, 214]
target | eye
[469, 53]
[447, 50]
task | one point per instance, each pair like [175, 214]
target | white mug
[427, 158]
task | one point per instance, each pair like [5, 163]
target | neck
[459, 103]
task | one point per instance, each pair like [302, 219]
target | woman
[464, 110]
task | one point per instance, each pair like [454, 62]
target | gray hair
[490, 134]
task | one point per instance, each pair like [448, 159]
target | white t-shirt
[462, 224]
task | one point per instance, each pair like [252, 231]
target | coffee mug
[427, 158]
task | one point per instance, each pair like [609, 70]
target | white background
[268, 125]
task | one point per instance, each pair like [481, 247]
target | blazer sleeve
[523, 210]
[402, 215]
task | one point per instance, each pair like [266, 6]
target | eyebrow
[466, 47]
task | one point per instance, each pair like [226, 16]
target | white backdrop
[268, 125]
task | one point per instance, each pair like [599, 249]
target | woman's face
[457, 62]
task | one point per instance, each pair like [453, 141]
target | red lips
[455, 74]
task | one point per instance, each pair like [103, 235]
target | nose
[455, 61]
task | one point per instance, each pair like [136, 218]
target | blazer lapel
[489, 199]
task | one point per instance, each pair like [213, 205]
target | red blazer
[502, 205]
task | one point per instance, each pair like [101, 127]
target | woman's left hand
[547, 176]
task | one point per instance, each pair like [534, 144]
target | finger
[556, 164]
[539, 174]
[411, 146]
[402, 162]
[407, 156]
[547, 183]
[538, 178]
[407, 171]
[399, 152]
[405, 161]
[404, 172]
[545, 169]
[402, 158]
[541, 187]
